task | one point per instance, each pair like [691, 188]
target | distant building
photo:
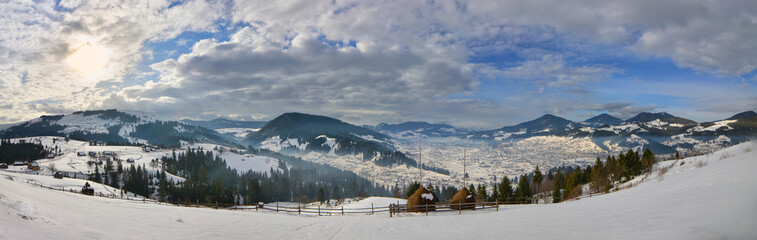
[33, 165]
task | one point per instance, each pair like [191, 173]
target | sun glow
[89, 59]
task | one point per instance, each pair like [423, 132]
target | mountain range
[302, 134]
[118, 127]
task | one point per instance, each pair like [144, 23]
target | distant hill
[115, 126]
[747, 114]
[413, 129]
[300, 133]
[602, 119]
[220, 123]
[662, 116]
[544, 125]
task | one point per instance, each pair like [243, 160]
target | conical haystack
[421, 201]
[463, 199]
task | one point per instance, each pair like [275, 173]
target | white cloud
[385, 59]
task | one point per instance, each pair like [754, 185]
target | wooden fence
[392, 209]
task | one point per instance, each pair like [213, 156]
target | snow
[240, 162]
[375, 202]
[428, 196]
[715, 201]
[238, 132]
[368, 138]
[502, 135]
[330, 142]
[276, 144]
[623, 128]
[717, 125]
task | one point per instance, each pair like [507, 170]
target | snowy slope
[716, 201]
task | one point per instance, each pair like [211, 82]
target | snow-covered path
[717, 201]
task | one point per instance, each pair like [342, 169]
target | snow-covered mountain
[416, 129]
[116, 127]
[601, 120]
[231, 128]
[662, 132]
[545, 125]
[299, 134]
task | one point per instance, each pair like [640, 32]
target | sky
[474, 64]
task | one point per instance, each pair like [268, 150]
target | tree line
[208, 179]
[562, 183]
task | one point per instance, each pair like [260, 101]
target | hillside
[299, 134]
[113, 126]
[714, 201]
[542, 126]
[413, 130]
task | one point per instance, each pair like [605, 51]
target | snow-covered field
[68, 161]
[713, 200]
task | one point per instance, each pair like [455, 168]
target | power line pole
[420, 162]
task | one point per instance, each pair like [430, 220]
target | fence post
[371, 208]
[391, 209]
[277, 206]
[299, 209]
[319, 210]
[342, 210]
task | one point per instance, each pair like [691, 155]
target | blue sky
[477, 64]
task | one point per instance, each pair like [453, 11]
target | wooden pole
[420, 162]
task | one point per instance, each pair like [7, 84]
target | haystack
[463, 199]
[421, 201]
[87, 189]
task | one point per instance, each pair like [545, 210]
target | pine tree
[321, 197]
[523, 190]
[557, 195]
[97, 174]
[412, 188]
[481, 193]
[648, 160]
[505, 190]
[537, 181]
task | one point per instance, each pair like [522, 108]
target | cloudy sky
[477, 64]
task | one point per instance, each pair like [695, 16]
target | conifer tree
[321, 197]
[481, 193]
[505, 190]
[648, 160]
[537, 181]
[523, 190]
[412, 188]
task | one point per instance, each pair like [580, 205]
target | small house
[33, 165]
[130, 160]
[51, 155]
[81, 154]
[92, 154]
[109, 153]
[19, 163]
[3, 166]
[58, 175]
